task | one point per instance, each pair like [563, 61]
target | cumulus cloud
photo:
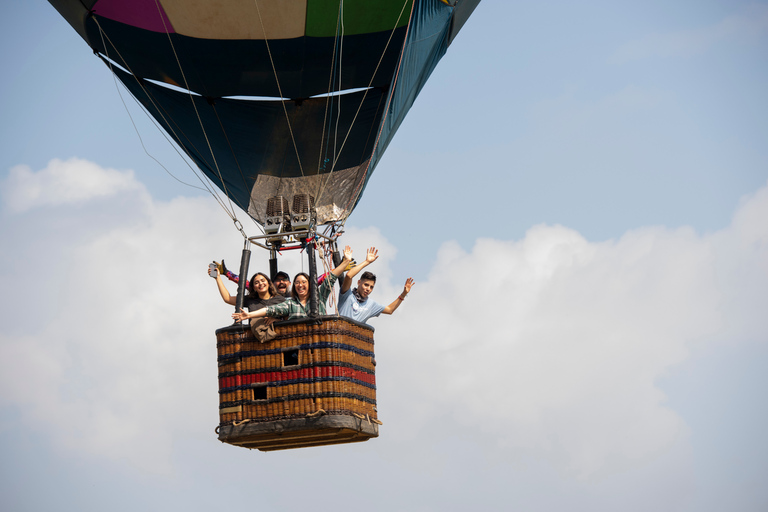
[553, 346]
[747, 26]
[72, 181]
[556, 349]
[550, 346]
[116, 343]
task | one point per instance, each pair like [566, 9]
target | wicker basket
[313, 385]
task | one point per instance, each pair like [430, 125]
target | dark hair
[293, 287]
[368, 276]
[271, 287]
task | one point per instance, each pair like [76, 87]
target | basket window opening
[259, 393]
[291, 357]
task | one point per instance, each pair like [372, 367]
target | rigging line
[234, 156]
[341, 66]
[194, 106]
[171, 123]
[162, 132]
[279, 89]
[141, 140]
[359, 189]
[335, 70]
[202, 182]
[329, 98]
[327, 268]
[159, 109]
[370, 83]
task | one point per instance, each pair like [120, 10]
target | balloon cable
[231, 149]
[194, 106]
[321, 191]
[279, 89]
[359, 188]
[341, 66]
[329, 98]
[141, 141]
[108, 61]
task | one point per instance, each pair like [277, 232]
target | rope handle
[368, 418]
[234, 424]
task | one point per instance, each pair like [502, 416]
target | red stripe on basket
[305, 373]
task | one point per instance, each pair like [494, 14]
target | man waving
[355, 304]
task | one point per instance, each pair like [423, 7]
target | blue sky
[580, 192]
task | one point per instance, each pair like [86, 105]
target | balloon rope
[234, 156]
[279, 89]
[362, 101]
[329, 97]
[141, 140]
[194, 106]
[327, 258]
[338, 100]
[159, 109]
[359, 189]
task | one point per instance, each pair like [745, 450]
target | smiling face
[261, 286]
[283, 285]
[301, 287]
[365, 287]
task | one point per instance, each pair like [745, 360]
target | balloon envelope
[275, 97]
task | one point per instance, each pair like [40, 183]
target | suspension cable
[231, 149]
[279, 89]
[103, 34]
[341, 67]
[327, 259]
[194, 106]
[141, 140]
[329, 98]
[362, 101]
[359, 188]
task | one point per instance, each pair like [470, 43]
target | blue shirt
[350, 307]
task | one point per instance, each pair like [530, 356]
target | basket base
[299, 432]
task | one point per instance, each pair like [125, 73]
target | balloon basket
[314, 384]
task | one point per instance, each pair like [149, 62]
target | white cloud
[746, 26]
[72, 181]
[551, 346]
[116, 357]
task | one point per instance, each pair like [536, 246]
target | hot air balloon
[286, 106]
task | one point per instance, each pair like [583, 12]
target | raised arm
[369, 258]
[213, 271]
[224, 292]
[344, 263]
[399, 300]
